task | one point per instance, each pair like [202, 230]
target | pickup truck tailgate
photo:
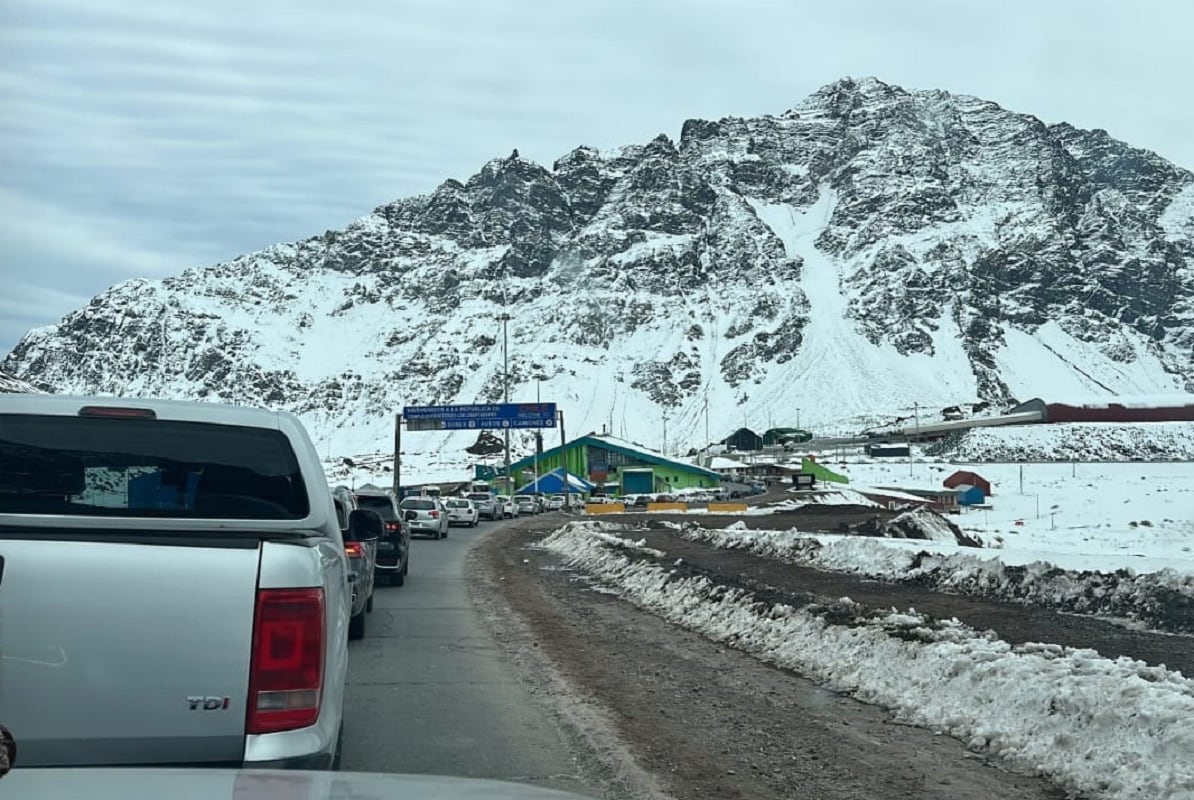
[125, 653]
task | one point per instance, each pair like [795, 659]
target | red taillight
[391, 526]
[286, 666]
[353, 549]
[434, 514]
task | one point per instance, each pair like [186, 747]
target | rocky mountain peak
[871, 248]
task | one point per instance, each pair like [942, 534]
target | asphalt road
[429, 692]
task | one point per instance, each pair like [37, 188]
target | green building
[604, 459]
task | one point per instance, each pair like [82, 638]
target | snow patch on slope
[1177, 220]
[833, 345]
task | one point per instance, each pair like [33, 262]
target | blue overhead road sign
[475, 417]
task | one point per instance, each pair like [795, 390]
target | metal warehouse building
[602, 459]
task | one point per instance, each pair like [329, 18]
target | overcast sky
[139, 138]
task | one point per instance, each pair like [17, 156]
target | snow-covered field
[1106, 728]
[1109, 539]
[1076, 516]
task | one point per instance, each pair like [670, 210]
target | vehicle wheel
[356, 627]
[398, 577]
[369, 603]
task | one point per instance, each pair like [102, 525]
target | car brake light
[286, 663]
[434, 515]
[353, 549]
[113, 412]
[391, 526]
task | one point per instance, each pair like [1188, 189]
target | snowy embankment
[1086, 441]
[1107, 728]
[1161, 600]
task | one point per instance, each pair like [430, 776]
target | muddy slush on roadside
[670, 713]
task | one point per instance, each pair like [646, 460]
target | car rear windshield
[419, 505]
[480, 497]
[382, 505]
[147, 468]
[457, 504]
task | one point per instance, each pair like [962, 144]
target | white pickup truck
[173, 586]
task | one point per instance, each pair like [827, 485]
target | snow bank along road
[703, 718]
[1097, 708]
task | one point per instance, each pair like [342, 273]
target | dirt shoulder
[704, 721]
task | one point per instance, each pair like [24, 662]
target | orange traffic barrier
[727, 508]
[667, 506]
[604, 508]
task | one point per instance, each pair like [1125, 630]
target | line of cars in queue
[388, 556]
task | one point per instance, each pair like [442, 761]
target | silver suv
[526, 504]
[486, 505]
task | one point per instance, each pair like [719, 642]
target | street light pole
[538, 436]
[665, 433]
[505, 318]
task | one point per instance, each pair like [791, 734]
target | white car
[526, 504]
[556, 502]
[428, 516]
[462, 512]
[506, 504]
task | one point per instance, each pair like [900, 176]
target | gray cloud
[140, 138]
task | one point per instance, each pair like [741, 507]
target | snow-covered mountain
[10, 385]
[868, 249]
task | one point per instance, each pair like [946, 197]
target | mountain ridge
[868, 249]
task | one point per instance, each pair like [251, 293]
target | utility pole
[397, 452]
[505, 318]
[564, 459]
[1021, 479]
[538, 435]
[665, 433]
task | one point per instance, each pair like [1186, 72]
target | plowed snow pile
[1113, 729]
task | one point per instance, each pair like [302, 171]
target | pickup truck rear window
[147, 468]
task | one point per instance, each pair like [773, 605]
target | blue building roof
[553, 483]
